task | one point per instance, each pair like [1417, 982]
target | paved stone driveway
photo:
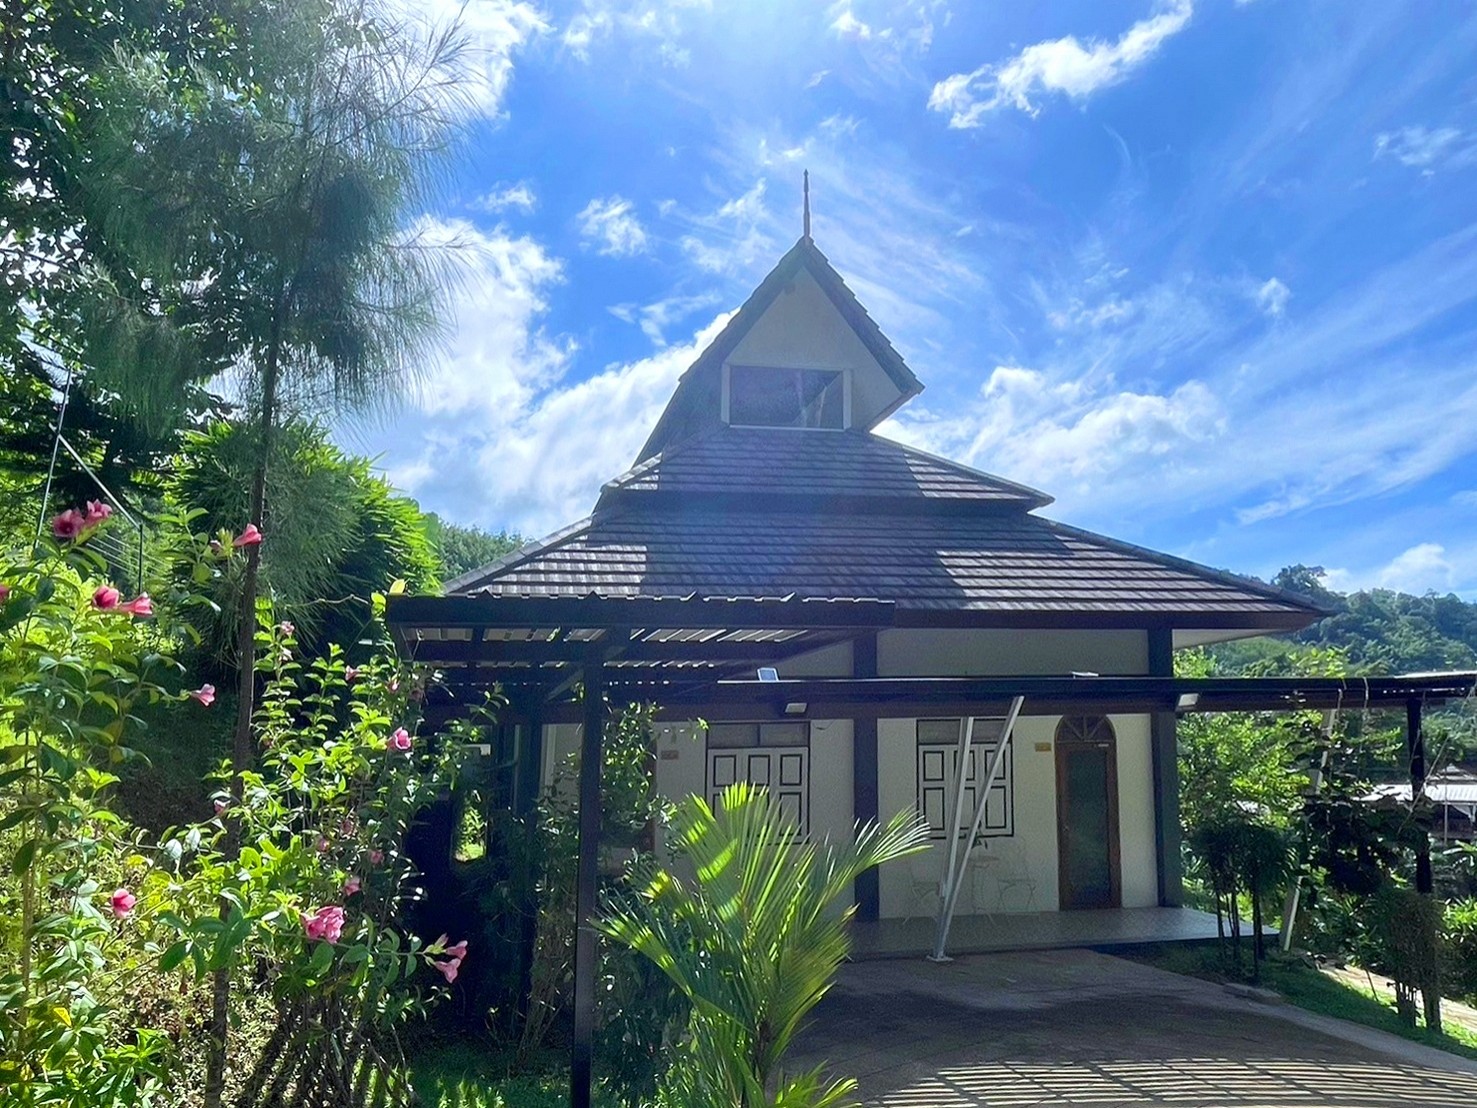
[1078, 1028]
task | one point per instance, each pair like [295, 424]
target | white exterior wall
[908, 888]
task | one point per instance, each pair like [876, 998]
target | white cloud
[1422, 568]
[495, 434]
[1066, 436]
[642, 22]
[1427, 148]
[1062, 65]
[1272, 297]
[734, 238]
[500, 199]
[1418, 569]
[845, 23]
[498, 355]
[610, 224]
[1077, 314]
[493, 29]
[654, 319]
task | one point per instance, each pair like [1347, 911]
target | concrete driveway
[1074, 1027]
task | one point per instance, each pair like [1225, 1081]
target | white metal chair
[923, 875]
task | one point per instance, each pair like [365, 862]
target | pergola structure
[559, 658]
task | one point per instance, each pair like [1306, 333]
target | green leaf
[172, 957]
[24, 857]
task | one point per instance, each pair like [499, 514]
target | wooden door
[1087, 813]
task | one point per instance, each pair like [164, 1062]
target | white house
[764, 481]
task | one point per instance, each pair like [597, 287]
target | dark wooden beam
[597, 612]
[1415, 748]
[539, 653]
[1164, 761]
[865, 775]
[586, 951]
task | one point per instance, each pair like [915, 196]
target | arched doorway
[1087, 813]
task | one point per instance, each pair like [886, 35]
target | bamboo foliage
[752, 943]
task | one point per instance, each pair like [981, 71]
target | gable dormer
[801, 353]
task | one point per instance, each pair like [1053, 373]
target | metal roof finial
[806, 179]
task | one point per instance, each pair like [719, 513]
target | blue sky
[1205, 271]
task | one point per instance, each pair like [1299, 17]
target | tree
[464, 548]
[752, 943]
[341, 534]
[280, 215]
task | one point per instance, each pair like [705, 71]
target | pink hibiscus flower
[400, 740]
[105, 598]
[97, 511]
[69, 525]
[249, 537]
[122, 903]
[287, 629]
[459, 951]
[352, 885]
[327, 923]
[376, 857]
[448, 970]
[351, 673]
[205, 694]
[140, 606]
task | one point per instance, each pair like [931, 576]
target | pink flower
[4, 593]
[400, 740]
[394, 685]
[97, 511]
[249, 537]
[351, 673]
[352, 885]
[105, 598]
[459, 951]
[348, 826]
[376, 857]
[69, 525]
[220, 806]
[323, 844]
[448, 969]
[326, 923]
[287, 629]
[123, 902]
[205, 694]
[140, 605]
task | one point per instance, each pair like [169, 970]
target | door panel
[1087, 823]
[784, 771]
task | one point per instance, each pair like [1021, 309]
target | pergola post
[586, 951]
[1415, 747]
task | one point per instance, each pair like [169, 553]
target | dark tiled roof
[693, 406]
[983, 562]
[815, 465]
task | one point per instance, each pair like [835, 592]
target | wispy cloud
[1272, 296]
[1063, 65]
[494, 31]
[610, 225]
[1427, 148]
[656, 318]
[662, 22]
[504, 197]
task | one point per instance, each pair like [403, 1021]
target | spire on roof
[806, 179]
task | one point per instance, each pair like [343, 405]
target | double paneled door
[1087, 813]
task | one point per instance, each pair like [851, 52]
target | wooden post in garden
[586, 952]
[1415, 747]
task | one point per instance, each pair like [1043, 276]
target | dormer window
[772, 396]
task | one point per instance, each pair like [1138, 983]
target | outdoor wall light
[796, 708]
[1186, 701]
[768, 673]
